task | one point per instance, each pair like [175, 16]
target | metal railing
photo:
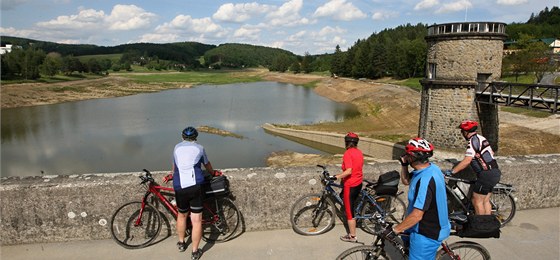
[532, 96]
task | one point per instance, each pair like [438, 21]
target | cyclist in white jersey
[480, 157]
[188, 177]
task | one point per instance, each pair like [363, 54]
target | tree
[281, 63]
[93, 66]
[337, 61]
[306, 63]
[71, 64]
[51, 65]
[32, 60]
[295, 68]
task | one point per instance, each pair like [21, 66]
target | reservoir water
[127, 134]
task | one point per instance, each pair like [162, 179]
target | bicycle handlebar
[147, 177]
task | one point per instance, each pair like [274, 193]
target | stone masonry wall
[79, 207]
[462, 58]
[446, 107]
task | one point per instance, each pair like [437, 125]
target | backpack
[388, 183]
[480, 226]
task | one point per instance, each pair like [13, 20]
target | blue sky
[313, 26]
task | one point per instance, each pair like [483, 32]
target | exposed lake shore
[388, 112]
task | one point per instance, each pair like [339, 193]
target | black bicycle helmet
[190, 133]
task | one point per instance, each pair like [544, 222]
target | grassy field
[213, 77]
[113, 57]
[55, 79]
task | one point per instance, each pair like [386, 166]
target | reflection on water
[135, 132]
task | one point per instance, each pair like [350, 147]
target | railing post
[530, 96]
[509, 95]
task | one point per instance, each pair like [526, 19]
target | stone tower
[462, 57]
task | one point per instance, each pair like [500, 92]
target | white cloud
[454, 7]
[339, 10]
[184, 27]
[159, 37]
[511, 2]
[384, 15]
[129, 17]
[247, 32]
[122, 17]
[240, 12]
[87, 19]
[328, 30]
[188, 24]
[426, 4]
[287, 15]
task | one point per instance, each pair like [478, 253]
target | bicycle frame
[156, 191]
[366, 197]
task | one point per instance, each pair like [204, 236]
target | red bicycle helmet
[419, 148]
[351, 137]
[468, 125]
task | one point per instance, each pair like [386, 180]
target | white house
[6, 49]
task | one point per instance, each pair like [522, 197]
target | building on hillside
[6, 49]
[553, 43]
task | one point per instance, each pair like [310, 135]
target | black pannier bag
[217, 186]
[480, 226]
[388, 183]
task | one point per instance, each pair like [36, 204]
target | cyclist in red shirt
[352, 177]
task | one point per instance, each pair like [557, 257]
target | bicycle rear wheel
[132, 227]
[503, 207]
[465, 250]
[312, 215]
[393, 206]
[221, 219]
[362, 252]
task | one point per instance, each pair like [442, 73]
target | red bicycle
[136, 224]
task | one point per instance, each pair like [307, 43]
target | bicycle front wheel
[362, 252]
[503, 207]
[312, 214]
[393, 207]
[465, 250]
[135, 227]
[221, 219]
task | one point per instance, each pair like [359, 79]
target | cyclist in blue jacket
[427, 221]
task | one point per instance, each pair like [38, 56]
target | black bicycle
[502, 199]
[394, 248]
[314, 214]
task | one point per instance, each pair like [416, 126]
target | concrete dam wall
[79, 207]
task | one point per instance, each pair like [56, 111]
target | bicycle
[502, 200]
[394, 248]
[314, 214]
[136, 224]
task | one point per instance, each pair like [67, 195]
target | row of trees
[30, 63]
[399, 52]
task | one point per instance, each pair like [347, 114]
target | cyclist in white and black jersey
[480, 157]
[188, 177]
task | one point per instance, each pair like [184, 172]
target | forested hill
[184, 52]
[244, 55]
[545, 24]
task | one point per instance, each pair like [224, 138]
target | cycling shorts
[189, 199]
[486, 180]
[422, 247]
[349, 196]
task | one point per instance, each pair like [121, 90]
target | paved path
[533, 234]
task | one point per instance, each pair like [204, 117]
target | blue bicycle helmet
[190, 133]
